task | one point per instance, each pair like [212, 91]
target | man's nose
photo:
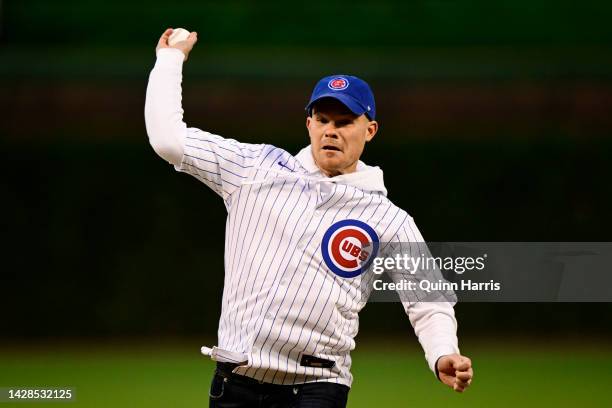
[331, 132]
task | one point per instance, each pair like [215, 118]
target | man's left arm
[436, 327]
[433, 317]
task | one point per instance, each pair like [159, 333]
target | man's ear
[372, 129]
[308, 118]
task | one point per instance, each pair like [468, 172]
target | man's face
[338, 136]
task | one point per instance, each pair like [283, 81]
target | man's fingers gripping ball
[178, 38]
[163, 40]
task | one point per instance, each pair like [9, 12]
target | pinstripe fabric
[279, 299]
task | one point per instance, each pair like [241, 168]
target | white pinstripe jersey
[280, 300]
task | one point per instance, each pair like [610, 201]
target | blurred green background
[388, 373]
[495, 122]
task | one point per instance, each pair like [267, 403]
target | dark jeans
[230, 390]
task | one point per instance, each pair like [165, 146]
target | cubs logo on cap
[349, 247]
[338, 83]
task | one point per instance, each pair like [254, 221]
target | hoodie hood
[368, 178]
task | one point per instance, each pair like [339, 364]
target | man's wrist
[170, 56]
[436, 368]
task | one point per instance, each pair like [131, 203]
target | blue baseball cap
[353, 92]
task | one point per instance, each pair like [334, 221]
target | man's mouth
[332, 148]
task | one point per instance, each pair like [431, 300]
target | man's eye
[322, 120]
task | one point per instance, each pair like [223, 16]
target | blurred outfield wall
[495, 126]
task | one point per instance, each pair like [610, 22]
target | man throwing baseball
[300, 232]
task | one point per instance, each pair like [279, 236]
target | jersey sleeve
[219, 163]
[222, 164]
[431, 313]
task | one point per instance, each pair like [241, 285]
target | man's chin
[333, 167]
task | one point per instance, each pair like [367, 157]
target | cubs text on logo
[349, 247]
[338, 84]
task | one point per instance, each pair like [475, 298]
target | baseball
[178, 34]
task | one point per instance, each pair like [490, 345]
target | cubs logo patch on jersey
[349, 247]
[338, 83]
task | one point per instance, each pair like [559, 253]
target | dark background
[495, 125]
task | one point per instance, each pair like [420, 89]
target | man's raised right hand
[185, 46]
